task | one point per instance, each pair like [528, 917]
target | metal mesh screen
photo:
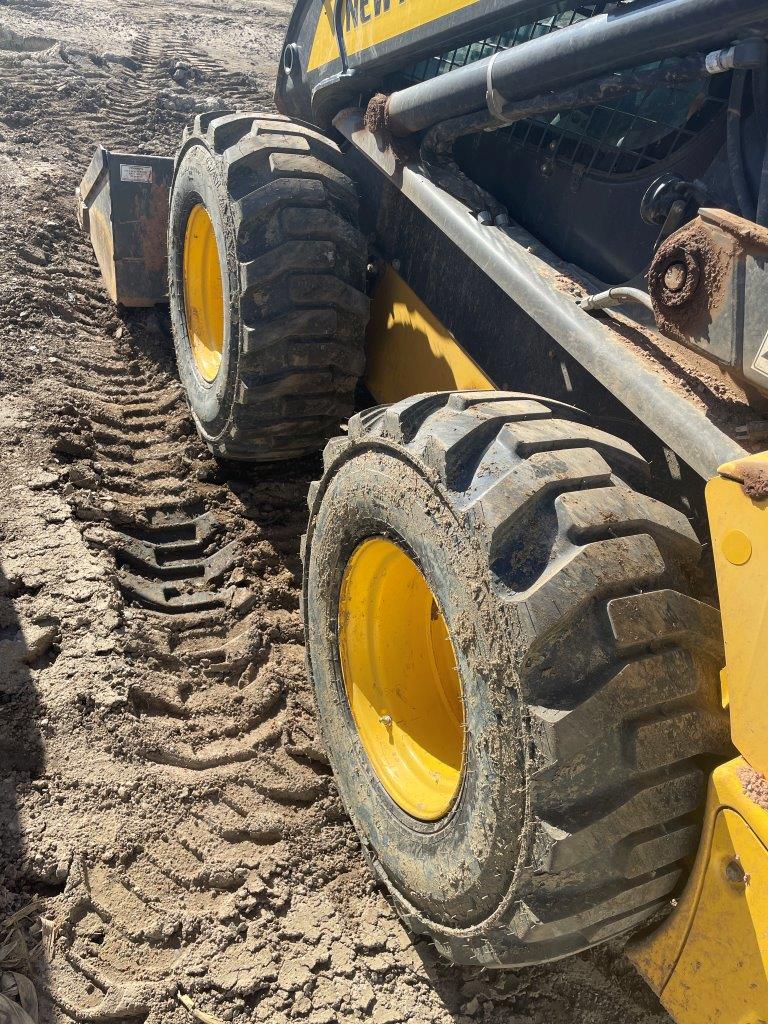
[623, 136]
[451, 59]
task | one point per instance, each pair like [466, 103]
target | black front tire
[293, 265]
[589, 671]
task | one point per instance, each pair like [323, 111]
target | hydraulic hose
[762, 199]
[760, 91]
[760, 85]
[735, 152]
[616, 297]
[439, 140]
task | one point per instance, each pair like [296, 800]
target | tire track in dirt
[212, 608]
[215, 695]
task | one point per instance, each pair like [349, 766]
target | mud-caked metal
[122, 203]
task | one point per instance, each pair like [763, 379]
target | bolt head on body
[675, 276]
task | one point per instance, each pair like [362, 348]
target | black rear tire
[589, 671]
[293, 266]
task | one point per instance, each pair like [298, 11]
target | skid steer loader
[528, 241]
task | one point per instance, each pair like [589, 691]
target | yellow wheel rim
[203, 293]
[401, 679]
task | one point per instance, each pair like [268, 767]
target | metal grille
[458, 58]
[624, 136]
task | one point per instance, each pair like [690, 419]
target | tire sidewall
[455, 871]
[199, 180]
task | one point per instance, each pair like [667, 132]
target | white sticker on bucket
[132, 172]
[761, 359]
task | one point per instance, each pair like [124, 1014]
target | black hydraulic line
[339, 32]
[760, 92]
[438, 141]
[762, 197]
[741, 187]
[608, 42]
[760, 86]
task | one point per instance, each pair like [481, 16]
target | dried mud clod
[375, 118]
[753, 477]
[755, 786]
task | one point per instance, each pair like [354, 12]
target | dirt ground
[168, 821]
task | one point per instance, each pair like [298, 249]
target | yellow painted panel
[324, 46]
[410, 351]
[368, 22]
[739, 528]
[722, 974]
[713, 941]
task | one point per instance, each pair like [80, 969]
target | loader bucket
[122, 203]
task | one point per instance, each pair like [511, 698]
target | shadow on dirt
[25, 647]
[590, 989]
